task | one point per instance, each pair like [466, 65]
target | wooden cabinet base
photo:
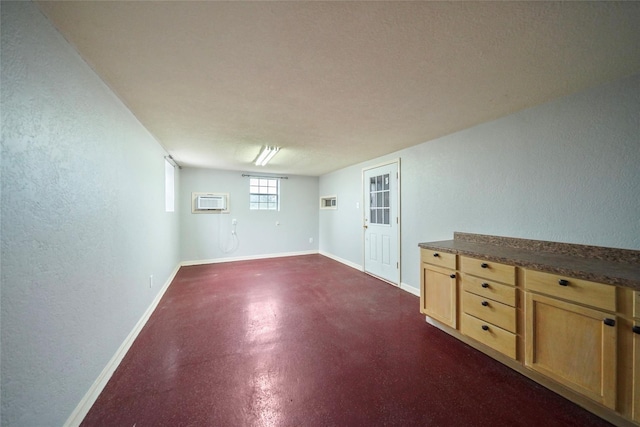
[580, 400]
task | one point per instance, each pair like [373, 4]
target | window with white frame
[264, 194]
[169, 187]
[329, 202]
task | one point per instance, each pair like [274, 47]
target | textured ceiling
[337, 83]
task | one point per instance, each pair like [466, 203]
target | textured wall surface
[205, 236]
[1, 145]
[564, 171]
[83, 222]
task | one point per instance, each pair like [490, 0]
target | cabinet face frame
[606, 392]
[438, 294]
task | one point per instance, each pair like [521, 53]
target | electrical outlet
[150, 281]
[234, 221]
[310, 239]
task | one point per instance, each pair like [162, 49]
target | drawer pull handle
[453, 276]
[636, 329]
[484, 265]
[563, 282]
[484, 304]
[609, 322]
[485, 285]
[485, 328]
[436, 254]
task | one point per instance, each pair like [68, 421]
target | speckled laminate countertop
[599, 264]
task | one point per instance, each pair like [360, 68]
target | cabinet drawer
[489, 269]
[490, 335]
[490, 311]
[576, 290]
[441, 259]
[489, 289]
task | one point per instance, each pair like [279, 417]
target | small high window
[169, 187]
[264, 194]
[329, 202]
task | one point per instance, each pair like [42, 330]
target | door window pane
[379, 199]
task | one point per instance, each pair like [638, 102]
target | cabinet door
[573, 345]
[438, 296]
[636, 371]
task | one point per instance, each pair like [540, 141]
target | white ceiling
[337, 83]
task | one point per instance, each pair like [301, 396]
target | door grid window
[379, 198]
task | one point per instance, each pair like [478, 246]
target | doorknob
[365, 226]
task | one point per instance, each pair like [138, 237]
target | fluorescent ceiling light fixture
[267, 154]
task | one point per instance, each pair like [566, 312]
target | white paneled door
[382, 222]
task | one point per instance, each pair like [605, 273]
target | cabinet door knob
[484, 265]
[453, 276]
[563, 282]
[436, 254]
[609, 322]
[485, 328]
[636, 329]
[485, 285]
[484, 303]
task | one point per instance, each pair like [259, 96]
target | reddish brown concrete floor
[306, 341]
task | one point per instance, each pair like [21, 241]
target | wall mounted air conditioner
[215, 203]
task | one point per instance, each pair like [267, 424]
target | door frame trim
[396, 161]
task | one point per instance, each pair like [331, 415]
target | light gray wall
[1, 145]
[205, 235]
[341, 231]
[564, 171]
[83, 222]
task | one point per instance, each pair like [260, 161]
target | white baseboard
[342, 260]
[404, 286]
[410, 289]
[98, 385]
[245, 258]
